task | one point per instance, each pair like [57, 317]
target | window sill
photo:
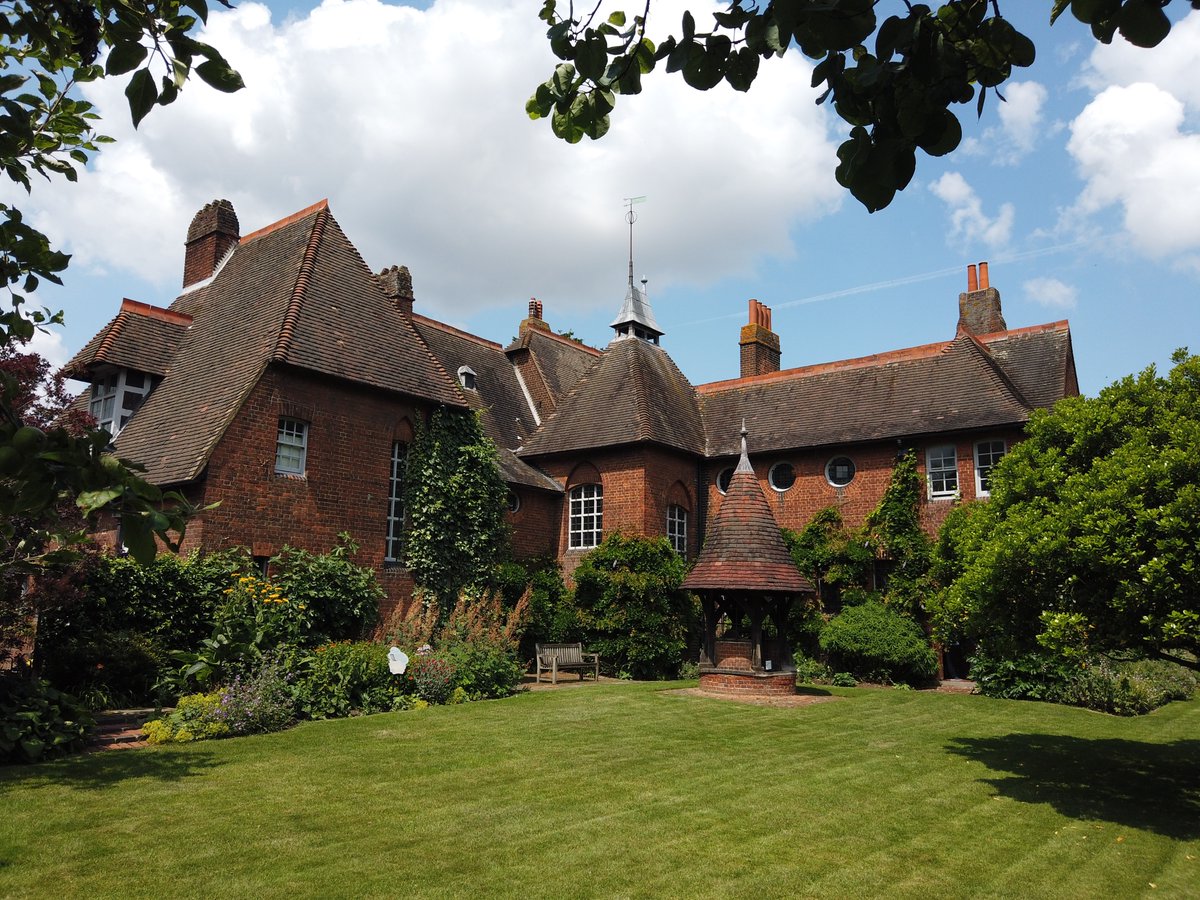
[290, 476]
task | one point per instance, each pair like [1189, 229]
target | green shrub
[480, 640]
[812, 671]
[551, 617]
[632, 610]
[844, 679]
[1026, 676]
[37, 721]
[341, 598]
[877, 643]
[196, 718]
[347, 677]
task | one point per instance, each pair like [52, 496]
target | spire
[636, 319]
[744, 463]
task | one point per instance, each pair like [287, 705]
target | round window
[723, 480]
[514, 501]
[782, 476]
[839, 471]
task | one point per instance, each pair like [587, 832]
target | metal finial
[744, 463]
[631, 217]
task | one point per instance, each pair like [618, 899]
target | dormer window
[466, 377]
[116, 397]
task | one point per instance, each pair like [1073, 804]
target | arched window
[586, 515]
[677, 520]
[394, 549]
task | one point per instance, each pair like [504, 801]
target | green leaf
[90, 501]
[617, 18]
[742, 69]
[125, 57]
[141, 94]
[1143, 24]
[217, 74]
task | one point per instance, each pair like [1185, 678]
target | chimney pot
[983, 276]
[759, 345]
[972, 279]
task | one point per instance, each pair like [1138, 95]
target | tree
[896, 99]
[46, 51]
[1090, 541]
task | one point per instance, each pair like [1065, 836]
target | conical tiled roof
[744, 550]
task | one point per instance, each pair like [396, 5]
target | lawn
[627, 790]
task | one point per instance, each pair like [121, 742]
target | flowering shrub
[481, 641]
[262, 702]
[431, 678]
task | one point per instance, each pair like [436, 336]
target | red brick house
[286, 380]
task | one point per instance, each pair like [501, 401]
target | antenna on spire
[631, 217]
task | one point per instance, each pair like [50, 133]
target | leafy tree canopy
[46, 51]
[895, 91]
[1091, 540]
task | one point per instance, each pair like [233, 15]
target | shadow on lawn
[1155, 787]
[97, 771]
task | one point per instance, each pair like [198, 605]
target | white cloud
[1051, 292]
[1131, 150]
[1022, 124]
[412, 123]
[968, 221]
[1171, 65]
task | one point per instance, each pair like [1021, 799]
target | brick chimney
[397, 285]
[979, 308]
[534, 319]
[214, 230]
[760, 345]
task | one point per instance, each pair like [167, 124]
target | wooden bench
[555, 658]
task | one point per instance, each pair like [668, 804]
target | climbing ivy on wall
[456, 500]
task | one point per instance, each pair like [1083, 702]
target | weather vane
[631, 217]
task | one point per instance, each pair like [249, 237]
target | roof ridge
[287, 330]
[641, 405]
[286, 220]
[569, 342]
[170, 316]
[906, 354]
[1045, 328]
[457, 331]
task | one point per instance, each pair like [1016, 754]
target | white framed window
[782, 476]
[116, 397]
[587, 515]
[987, 454]
[394, 548]
[941, 467]
[840, 471]
[291, 447]
[677, 528]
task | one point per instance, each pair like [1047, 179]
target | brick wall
[812, 491]
[536, 523]
[345, 488]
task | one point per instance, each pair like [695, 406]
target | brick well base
[749, 684]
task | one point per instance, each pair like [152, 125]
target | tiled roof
[294, 293]
[560, 360]
[633, 393]
[506, 416]
[966, 383]
[1039, 360]
[743, 549]
[140, 337]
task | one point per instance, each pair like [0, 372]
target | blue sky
[1082, 191]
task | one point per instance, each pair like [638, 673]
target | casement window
[394, 549]
[116, 397]
[586, 515]
[677, 528]
[941, 467]
[840, 471]
[782, 476]
[291, 447]
[987, 454]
